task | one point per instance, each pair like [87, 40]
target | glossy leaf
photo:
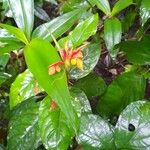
[23, 128]
[112, 35]
[57, 133]
[40, 13]
[56, 27]
[132, 130]
[91, 56]
[103, 5]
[80, 101]
[137, 52]
[71, 5]
[145, 11]
[92, 85]
[95, 133]
[18, 33]
[82, 32]
[23, 13]
[39, 54]
[54, 127]
[23, 88]
[120, 5]
[125, 89]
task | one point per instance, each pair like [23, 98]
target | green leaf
[56, 27]
[8, 42]
[95, 133]
[92, 85]
[4, 76]
[71, 5]
[57, 133]
[120, 5]
[132, 130]
[82, 32]
[128, 20]
[23, 13]
[18, 33]
[103, 5]
[137, 52]
[4, 60]
[91, 56]
[41, 13]
[145, 11]
[38, 60]
[54, 127]
[23, 128]
[80, 101]
[125, 89]
[23, 88]
[112, 35]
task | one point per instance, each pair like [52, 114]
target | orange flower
[55, 67]
[72, 57]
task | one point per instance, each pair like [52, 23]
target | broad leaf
[23, 88]
[91, 56]
[18, 33]
[23, 129]
[80, 101]
[145, 11]
[8, 42]
[125, 89]
[120, 5]
[39, 54]
[23, 13]
[82, 32]
[103, 5]
[132, 130]
[112, 35]
[56, 27]
[54, 127]
[95, 133]
[57, 132]
[92, 85]
[137, 52]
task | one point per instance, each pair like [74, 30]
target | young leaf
[132, 130]
[95, 133]
[103, 5]
[18, 33]
[125, 89]
[39, 55]
[112, 35]
[23, 13]
[137, 52]
[23, 88]
[120, 5]
[23, 128]
[56, 27]
[145, 11]
[92, 85]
